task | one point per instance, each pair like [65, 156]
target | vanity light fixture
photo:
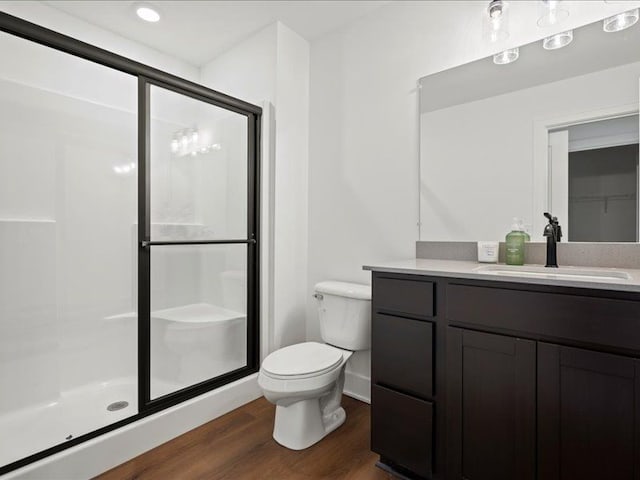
[496, 8]
[507, 56]
[147, 12]
[559, 40]
[496, 27]
[551, 13]
[621, 21]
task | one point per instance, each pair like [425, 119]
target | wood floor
[239, 446]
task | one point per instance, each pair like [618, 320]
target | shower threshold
[75, 413]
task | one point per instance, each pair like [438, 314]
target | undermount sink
[562, 273]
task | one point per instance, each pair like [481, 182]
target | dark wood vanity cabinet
[481, 380]
[402, 373]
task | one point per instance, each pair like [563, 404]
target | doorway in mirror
[594, 179]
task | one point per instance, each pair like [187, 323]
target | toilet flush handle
[318, 296]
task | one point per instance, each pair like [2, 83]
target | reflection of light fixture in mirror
[508, 56]
[147, 12]
[187, 142]
[551, 13]
[558, 40]
[621, 21]
[496, 24]
[124, 169]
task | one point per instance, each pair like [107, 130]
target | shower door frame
[148, 76]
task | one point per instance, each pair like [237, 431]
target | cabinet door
[588, 409]
[491, 382]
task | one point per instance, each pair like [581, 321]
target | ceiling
[198, 31]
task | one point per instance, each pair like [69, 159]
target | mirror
[556, 130]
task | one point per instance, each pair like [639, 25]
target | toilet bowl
[305, 381]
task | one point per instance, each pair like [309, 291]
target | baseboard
[110, 450]
[357, 386]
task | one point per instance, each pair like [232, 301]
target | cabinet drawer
[402, 354]
[597, 321]
[404, 295]
[401, 429]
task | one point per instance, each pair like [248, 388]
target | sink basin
[562, 273]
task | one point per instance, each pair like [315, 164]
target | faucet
[553, 232]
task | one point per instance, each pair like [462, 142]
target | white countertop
[473, 271]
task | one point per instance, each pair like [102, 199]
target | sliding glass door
[128, 241]
[68, 327]
[197, 239]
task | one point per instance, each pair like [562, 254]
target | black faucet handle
[552, 220]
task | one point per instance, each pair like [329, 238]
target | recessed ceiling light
[508, 56]
[621, 21]
[558, 40]
[147, 12]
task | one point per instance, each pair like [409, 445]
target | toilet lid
[302, 359]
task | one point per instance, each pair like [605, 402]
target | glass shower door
[197, 241]
[128, 241]
[68, 322]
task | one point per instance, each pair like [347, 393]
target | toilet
[305, 381]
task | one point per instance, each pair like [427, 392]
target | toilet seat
[303, 360]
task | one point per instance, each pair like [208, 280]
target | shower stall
[128, 241]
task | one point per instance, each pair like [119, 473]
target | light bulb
[557, 41]
[621, 21]
[495, 9]
[551, 13]
[507, 56]
[496, 22]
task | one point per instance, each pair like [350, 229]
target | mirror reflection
[554, 130]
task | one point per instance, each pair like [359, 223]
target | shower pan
[128, 241]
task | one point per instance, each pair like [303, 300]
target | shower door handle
[150, 243]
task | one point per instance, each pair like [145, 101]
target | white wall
[291, 188]
[273, 66]
[247, 70]
[363, 149]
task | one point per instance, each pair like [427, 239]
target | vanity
[505, 372]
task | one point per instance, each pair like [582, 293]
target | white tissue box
[488, 252]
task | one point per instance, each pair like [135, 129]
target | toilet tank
[344, 311]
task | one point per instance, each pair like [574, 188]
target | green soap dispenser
[514, 248]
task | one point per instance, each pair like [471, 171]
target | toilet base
[301, 424]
